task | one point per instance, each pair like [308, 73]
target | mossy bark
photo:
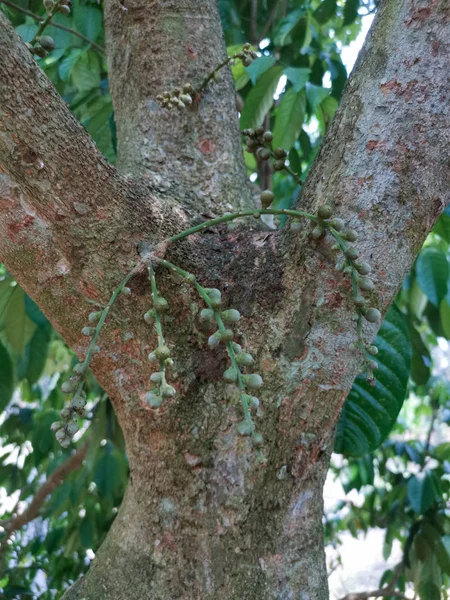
[203, 517]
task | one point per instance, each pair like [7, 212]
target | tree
[205, 515]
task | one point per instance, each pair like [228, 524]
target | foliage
[404, 482]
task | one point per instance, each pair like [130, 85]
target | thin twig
[73, 463]
[385, 592]
[57, 25]
[253, 22]
[270, 20]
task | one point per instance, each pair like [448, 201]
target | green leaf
[421, 359]
[240, 75]
[32, 362]
[289, 117]
[421, 492]
[369, 413]
[350, 11]
[442, 226]
[107, 474]
[86, 72]
[87, 19]
[432, 274]
[297, 76]
[66, 65]
[6, 377]
[27, 31]
[16, 328]
[260, 66]
[325, 11]
[260, 98]
[315, 95]
[282, 34]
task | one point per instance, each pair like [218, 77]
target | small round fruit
[267, 197]
[207, 314]
[153, 400]
[372, 315]
[324, 211]
[47, 43]
[363, 268]
[162, 352]
[337, 224]
[231, 315]
[365, 283]
[245, 428]
[257, 439]
[372, 350]
[278, 164]
[253, 381]
[263, 153]
[161, 304]
[245, 359]
[68, 387]
[64, 9]
[267, 137]
[352, 253]
[280, 153]
[230, 375]
[350, 235]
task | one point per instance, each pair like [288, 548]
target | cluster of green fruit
[41, 45]
[178, 98]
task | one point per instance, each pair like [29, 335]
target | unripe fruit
[280, 153]
[352, 253]
[126, 291]
[168, 362]
[66, 413]
[372, 315]
[78, 403]
[263, 153]
[207, 314]
[214, 340]
[231, 315]
[186, 99]
[167, 391]
[49, 4]
[64, 9]
[363, 268]
[324, 211]
[317, 233]
[80, 368]
[214, 295]
[365, 283]
[253, 381]
[161, 304]
[187, 88]
[154, 400]
[247, 61]
[245, 359]
[60, 435]
[39, 51]
[296, 226]
[94, 316]
[257, 439]
[152, 357]
[373, 350]
[245, 428]
[337, 224]
[227, 335]
[56, 426]
[68, 387]
[253, 402]
[350, 235]
[259, 131]
[89, 331]
[162, 352]
[72, 428]
[156, 377]
[278, 165]
[230, 375]
[149, 316]
[236, 347]
[267, 137]
[47, 43]
[360, 301]
[267, 198]
[251, 145]
[190, 278]
[373, 364]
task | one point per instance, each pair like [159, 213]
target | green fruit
[64, 9]
[126, 291]
[317, 233]
[253, 381]
[160, 304]
[149, 316]
[78, 402]
[247, 61]
[167, 391]
[214, 340]
[68, 387]
[72, 428]
[253, 402]
[94, 316]
[49, 5]
[245, 428]
[47, 43]
[257, 439]
[231, 315]
[373, 350]
[267, 197]
[227, 335]
[230, 375]
[60, 435]
[56, 426]
[372, 315]
[296, 226]
[267, 137]
[363, 268]
[207, 314]
[245, 359]
[39, 51]
[215, 296]
[352, 253]
[153, 400]
[350, 235]
[263, 153]
[337, 224]
[152, 357]
[190, 278]
[324, 211]
[278, 165]
[156, 377]
[186, 99]
[89, 331]
[80, 368]
[66, 413]
[259, 131]
[162, 352]
[360, 301]
[280, 153]
[365, 283]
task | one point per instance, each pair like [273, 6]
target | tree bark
[203, 517]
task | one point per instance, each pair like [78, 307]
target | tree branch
[73, 463]
[57, 25]
[384, 592]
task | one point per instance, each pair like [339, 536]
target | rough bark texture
[202, 518]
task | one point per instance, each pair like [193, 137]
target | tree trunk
[205, 516]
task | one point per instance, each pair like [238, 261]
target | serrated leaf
[6, 377]
[325, 11]
[260, 98]
[432, 274]
[369, 413]
[260, 66]
[298, 77]
[421, 492]
[289, 117]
